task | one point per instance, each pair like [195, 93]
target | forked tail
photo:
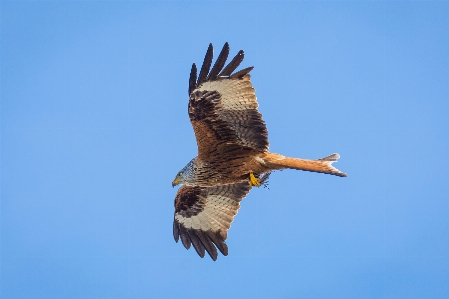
[323, 165]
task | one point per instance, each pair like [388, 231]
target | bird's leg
[253, 181]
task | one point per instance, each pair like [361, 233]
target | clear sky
[94, 128]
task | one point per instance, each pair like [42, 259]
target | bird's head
[177, 180]
[186, 175]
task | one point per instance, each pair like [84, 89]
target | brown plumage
[232, 156]
[205, 214]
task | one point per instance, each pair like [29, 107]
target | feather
[222, 214]
[210, 223]
[242, 73]
[187, 223]
[216, 223]
[192, 79]
[176, 230]
[235, 62]
[199, 247]
[324, 165]
[188, 202]
[331, 158]
[219, 218]
[204, 222]
[185, 238]
[207, 243]
[218, 241]
[206, 65]
[195, 222]
[221, 60]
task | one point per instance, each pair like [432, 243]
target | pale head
[186, 175]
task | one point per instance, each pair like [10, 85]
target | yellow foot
[253, 181]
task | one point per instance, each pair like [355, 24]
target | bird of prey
[232, 155]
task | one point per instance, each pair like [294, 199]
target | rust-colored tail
[323, 165]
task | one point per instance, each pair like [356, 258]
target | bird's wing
[223, 109]
[203, 216]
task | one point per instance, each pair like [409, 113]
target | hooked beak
[175, 182]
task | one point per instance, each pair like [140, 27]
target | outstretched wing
[223, 109]
[203, 216]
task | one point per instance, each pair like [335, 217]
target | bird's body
[232, 156]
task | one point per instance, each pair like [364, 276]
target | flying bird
[232, 155]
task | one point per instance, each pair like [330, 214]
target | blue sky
[94, 127]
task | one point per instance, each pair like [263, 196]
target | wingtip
[241, 74]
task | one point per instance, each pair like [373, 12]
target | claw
[253, 181]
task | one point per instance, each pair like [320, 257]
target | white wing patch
[236, 94]
[218, 214]
[203, 216]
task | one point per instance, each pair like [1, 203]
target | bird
[233, 155]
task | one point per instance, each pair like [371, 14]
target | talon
[253, 181]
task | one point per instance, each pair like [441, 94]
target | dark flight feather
[241, 73]
[185, 238]
[192, 79]
[218, 241]
[176, 230]
[219, 63]
[206, 65]
[235, 62]
[199, 247]
[207, 243]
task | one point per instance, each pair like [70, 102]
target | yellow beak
[175, 182]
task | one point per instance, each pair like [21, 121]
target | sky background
[94, 128]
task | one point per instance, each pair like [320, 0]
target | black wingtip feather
[235, 62]
[218, 241]
[215, 73]
[192, 79]
[185, 238]
[219, 63]
[207, 243]
[242, 73]
[199, 247]
[176, 230]
[206, 65]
